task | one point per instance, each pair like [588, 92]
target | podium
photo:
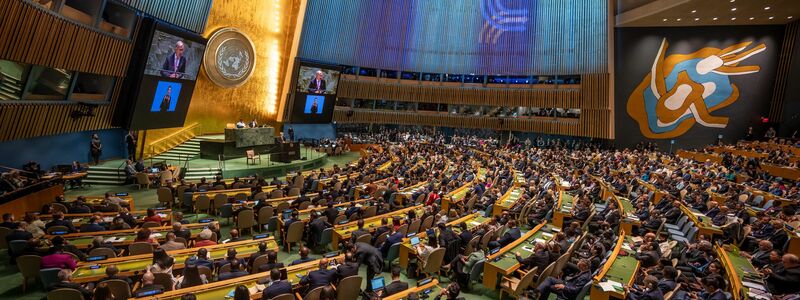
[287, 152]
[237, 141]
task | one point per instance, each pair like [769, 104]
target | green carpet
[11, 279]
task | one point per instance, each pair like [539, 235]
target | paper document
[610, 285]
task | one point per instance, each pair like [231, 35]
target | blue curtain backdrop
[484, 37]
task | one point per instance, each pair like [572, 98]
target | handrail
[169, 141]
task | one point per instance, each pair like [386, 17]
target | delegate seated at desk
[240, 124]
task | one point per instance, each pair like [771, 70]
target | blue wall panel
[60, 149]
[485, 37]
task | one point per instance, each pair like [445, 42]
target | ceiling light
[733, 19]
[694, 11]
[733, 1]
[680, 19]
[664, 20]
[751, 18]
[789, 17]
[771, 18]
[715, 18]
[733, 9]
[697, 19]
[766, 8]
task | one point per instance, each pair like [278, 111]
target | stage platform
[111, 171]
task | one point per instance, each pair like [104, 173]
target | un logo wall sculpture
[230, 58]
[684, 89]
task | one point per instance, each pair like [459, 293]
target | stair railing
[172, 140]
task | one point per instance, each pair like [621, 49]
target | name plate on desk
[248, 137]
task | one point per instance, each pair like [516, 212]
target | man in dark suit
[540, 258]
[262, 250]
[315, 229]
[358, 232]
[58, 220]
[272, 262]
[65, 281]
[368, 255]
[395, 237]
[93, 225]
[175, 64]
[512, 234]
[20, 233]
[331, 212]
[465, 236]
[673, 213]
[760, 257]
[348, 268]
[8, 221]
[112, 273]
[317, 85]
[201, 259]
[179, 231]
[321, 277]
[784, 282]
[396, 285]
[303, 257]
[147, 284]
[383, 229]
[567, 288]
[233, 273]
[278, 286]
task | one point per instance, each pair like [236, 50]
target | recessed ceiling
[662, 13]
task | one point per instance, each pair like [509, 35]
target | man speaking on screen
[317, 85]
[175, 64]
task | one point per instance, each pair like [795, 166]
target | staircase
[10, 87]
[194, 174]
[105, 175]
[187, 150]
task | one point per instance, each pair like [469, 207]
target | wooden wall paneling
[784, 66]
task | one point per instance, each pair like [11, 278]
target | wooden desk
[220, 289]
[563, 209]
[83, 240]
[406, 250]
[703, 223]
[504, 262]
[32, 201]
[431, 288]
[137, 264]
[736, 268]
[618, 268]
[98, 200]
[80, 219]
[342, 232]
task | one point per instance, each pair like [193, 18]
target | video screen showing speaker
[315, 92]
[161, 79]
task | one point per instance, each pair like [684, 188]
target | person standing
[130, 141]
[291, 134]
[95, 148]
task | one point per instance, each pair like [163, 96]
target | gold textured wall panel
[269, 24]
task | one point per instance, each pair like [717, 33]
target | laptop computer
[377, 283]
[414, 240]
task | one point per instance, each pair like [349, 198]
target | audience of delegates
[493, 169]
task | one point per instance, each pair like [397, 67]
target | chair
[294, 234]
[3, 233]
[252, 157]
[427, 223]
[181, 240]
[276, 193]
[65, 294]
[257, 263]
[434, 262]
[281, 207]
[107, 252]
[142, 180]
[224, 269]
[48, 276]
[56, 228]
[165, 177]
[394, 253]
[326, 238]
[150, 224]
[349, 288]
[477, 271]
[203, 204]
[485, 240]
[220, 199]
[203, 270]
[29, 266]
[246, 220]
[260, 196]
[272, 224]
[164, 280]
[294, 192]
[284, 297]
[546, 273]
[403, 229]
[17, 247]
[380, 239]
[471, 244]
[414, 226]
[120, 289]
[584, 290]
[516, 287]
[240, 197]
[226, 211]
[140, 248]
[681, 221]
[370, 211]
[304, 205]
[314, 294]
[58, 207]
[341, 218]
[364, 238]
[165, 197]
